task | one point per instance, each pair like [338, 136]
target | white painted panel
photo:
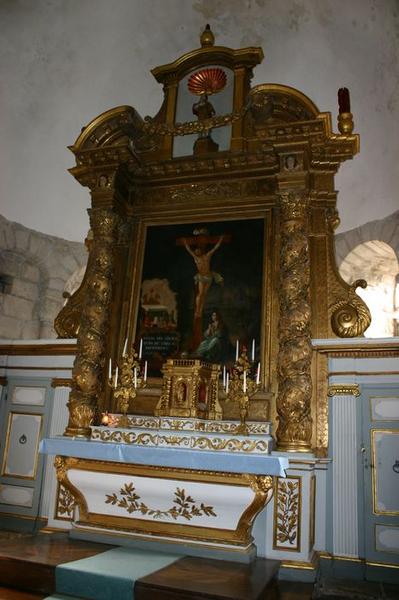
[387, 538]
[59, 420]
[16, 495]
[34, 396]
[345, 513]
[227, 502]
[20, 458]
[384, 408]
[385, 447]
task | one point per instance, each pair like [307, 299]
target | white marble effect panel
[387, 538]
[344, 472]
[385, 408]
[359, 342]
[364, 365]
[30, 395]
[321, 506]
[45, 372]
[62, 361]
[227, 502]
[59, 420]
[16, 495]
[23, 440]
[41, 342]
[385, 452]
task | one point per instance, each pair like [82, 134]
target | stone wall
[382, 230]
[35, 269]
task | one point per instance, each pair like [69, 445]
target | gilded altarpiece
[261, 153]
[211, 249]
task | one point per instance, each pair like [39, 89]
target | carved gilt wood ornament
[275, 159]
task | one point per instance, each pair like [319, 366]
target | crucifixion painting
[201, 290]
[197, 246]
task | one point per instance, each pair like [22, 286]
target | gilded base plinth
[204, 146]
[294, 446]
[78, 432]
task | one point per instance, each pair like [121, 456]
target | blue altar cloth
[166, 457]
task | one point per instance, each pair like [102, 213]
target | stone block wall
[381, 230]
[35, 269]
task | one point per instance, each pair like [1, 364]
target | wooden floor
[27, 572]
[29, 563]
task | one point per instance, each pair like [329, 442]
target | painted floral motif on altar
[185, 506]
[65, 504]
[287, 514]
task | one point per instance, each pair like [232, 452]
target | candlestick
[224, 375]
[237, 349]
[116, 376]
[141, 348]
[253, 350]
[110, 370]
[243, 385]
[227, 383]
[133, 377]
[124, 348]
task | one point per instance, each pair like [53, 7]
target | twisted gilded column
[91, 342]
[294, 429]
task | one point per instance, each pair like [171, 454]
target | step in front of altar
[60, 568]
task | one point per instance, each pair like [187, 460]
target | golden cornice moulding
[344, 390]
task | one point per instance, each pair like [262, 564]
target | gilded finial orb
[207, 38]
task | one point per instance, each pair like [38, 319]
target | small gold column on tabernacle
[294, 431]
[91, 341]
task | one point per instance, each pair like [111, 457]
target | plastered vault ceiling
[63, 62]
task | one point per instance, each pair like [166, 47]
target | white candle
[258, 374]
[135, 377]
[124, 348]
[227, 383]
[141, 348]
[224, 375]
[116, 376]
[253, 350]
[145, 371]
[110, 370]
[237, 349]
[245, 382]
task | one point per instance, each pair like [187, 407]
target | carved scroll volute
[89, 361]
[294, 358]
[350, 316]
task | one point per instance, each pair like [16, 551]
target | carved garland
[295, 351]
[87, 369]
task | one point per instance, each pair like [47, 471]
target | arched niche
[376, 262]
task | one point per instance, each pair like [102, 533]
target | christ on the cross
[205, 276]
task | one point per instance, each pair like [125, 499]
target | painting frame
[208, 215]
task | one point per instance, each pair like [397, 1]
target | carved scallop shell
[207, 81]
